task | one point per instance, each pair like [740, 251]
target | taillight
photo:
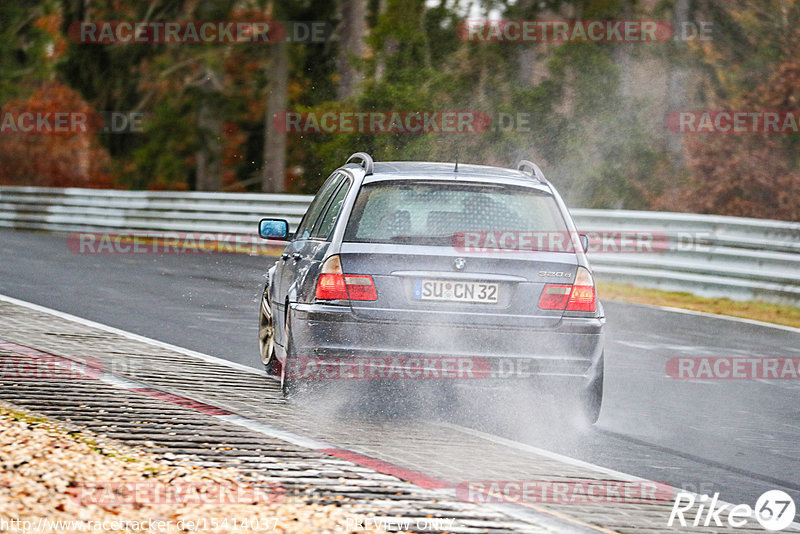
[554, 297]
[333, 284]
[580, 296]
[583, 296]
[360, 287]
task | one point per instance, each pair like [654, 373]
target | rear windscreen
[435, 213]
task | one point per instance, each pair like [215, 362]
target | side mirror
[585, 242]
[273, 229]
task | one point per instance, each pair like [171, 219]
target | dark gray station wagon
[440, 271]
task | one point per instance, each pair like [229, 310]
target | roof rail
[366, 161]
[535, 171]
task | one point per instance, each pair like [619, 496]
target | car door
[289, 264]
[315, 248]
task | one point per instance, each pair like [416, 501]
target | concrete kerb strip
[540, 517]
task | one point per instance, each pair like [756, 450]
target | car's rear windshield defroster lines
[432, 213]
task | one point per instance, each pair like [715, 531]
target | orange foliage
[233, 138]
[52, 159]
[51, 25]
[751, 174]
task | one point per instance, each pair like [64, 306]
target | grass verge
[756, 310]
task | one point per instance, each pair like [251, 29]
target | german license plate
[456, 291]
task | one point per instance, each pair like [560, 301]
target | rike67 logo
[774, 510]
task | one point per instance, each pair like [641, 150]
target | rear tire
[592, 396]
[266, 335]
[288, 382]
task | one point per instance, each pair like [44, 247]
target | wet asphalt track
[740, 438]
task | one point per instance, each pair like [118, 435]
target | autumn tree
[31, 50]
[753, 66]
[52, 159]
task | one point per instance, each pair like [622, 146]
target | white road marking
[132, 336]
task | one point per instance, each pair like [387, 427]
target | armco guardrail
[707, 255]
[72, 209]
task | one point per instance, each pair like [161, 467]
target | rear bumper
[374, 349]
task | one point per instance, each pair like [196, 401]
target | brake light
[333, 284]
[581, 296]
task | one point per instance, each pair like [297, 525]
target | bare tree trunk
[351, 32]
[623, 53]
[528, 66]
[380, 62]
[678, 81]
[209, 157]
[273, 177]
